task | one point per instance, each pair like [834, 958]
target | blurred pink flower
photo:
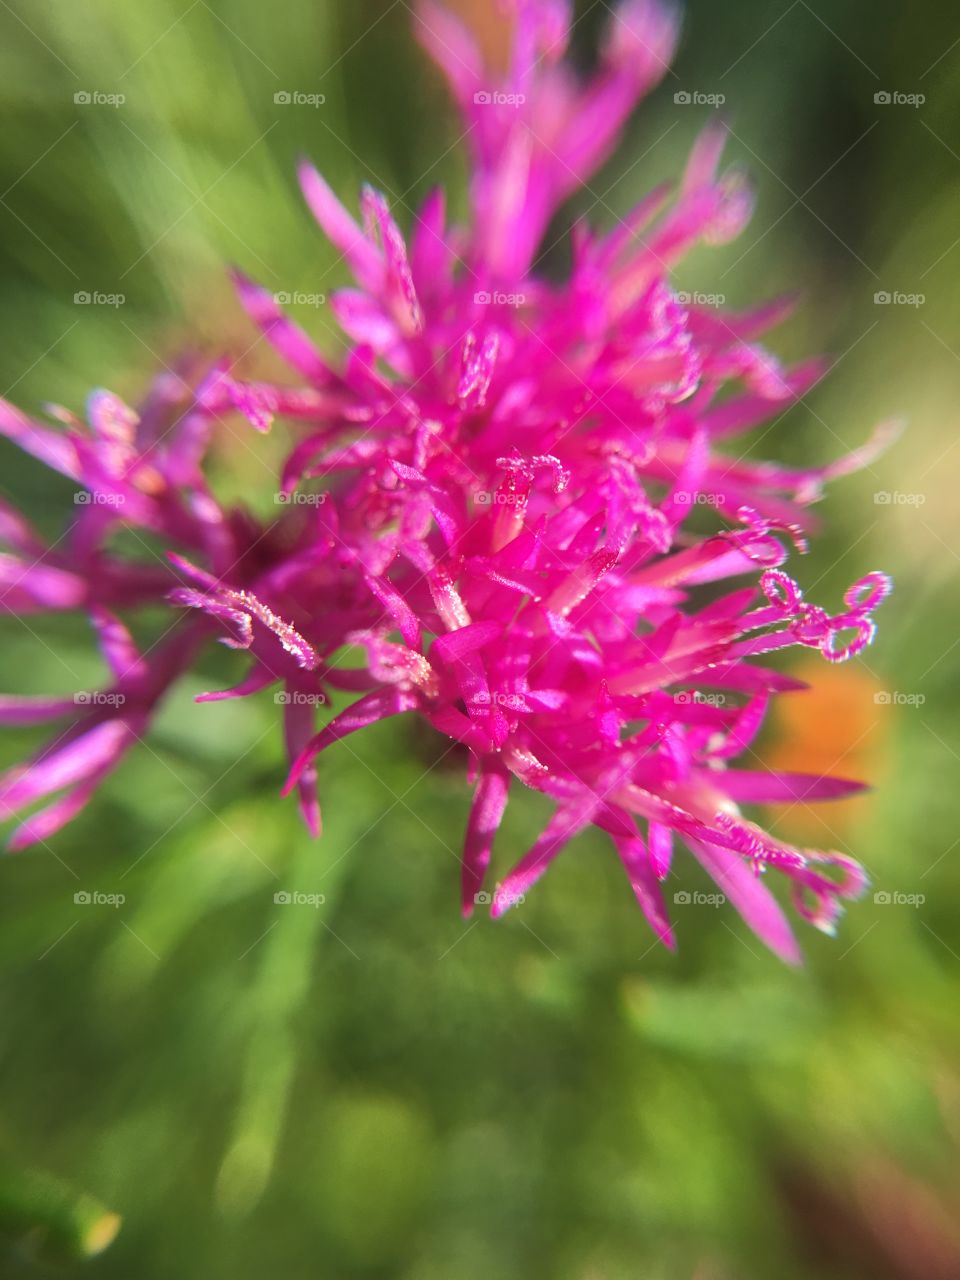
[509, 466]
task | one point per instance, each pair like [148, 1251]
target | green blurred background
[370, 1088]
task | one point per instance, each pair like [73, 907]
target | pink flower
[508, 467]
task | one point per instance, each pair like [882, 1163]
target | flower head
[508, 467]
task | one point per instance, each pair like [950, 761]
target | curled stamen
[782, 592]
[865, 595]
[758, 543]
[864, 628]
[811, 625]
[873, 588]
[818, 897]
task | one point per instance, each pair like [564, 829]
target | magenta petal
[19, 709]
[363, 257]
[560, 830]
[27, 586]
[47, 822]
[363, 319]
[288, 338]
[298, 719]
[489, 802]
[51, 447]
[258, 679]
[749, 787]
[18, 534]
[456, 645]
[57, 767]
[241, 609]
[397, 610]
[646, 887]
[738, 881]
[431, 258]
[117, 645]
[451, 46]
[661, 848]
[365, 711]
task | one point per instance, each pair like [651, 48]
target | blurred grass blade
[51, 1221]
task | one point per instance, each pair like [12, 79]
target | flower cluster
[509, 468]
